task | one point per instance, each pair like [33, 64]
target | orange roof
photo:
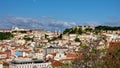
[56, 63]
[68, 59]
[3, 53]
[71, 55]
[5, 64]
[74, 55]
[54, 54]
[23, 56]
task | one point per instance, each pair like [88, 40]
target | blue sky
[77, 11]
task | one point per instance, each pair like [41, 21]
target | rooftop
[27, 62]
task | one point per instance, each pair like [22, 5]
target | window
[3, 56]
[59, 55]
[35, 66]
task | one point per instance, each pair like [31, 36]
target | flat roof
[27, 62]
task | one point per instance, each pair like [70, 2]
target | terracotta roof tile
[56, 63]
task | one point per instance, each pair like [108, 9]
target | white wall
[1, 65]
[32, 65]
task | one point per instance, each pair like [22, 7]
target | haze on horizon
[58, 14]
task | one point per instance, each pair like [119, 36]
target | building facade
[30, 64]
[51, 49]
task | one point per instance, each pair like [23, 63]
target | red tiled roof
[23, 56]
[5, 64]
[56, 63]
[71, 55]
[74, 55]
[54, 54]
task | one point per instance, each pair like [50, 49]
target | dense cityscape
[76, 47]
[59, 33]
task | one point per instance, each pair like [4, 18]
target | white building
[85, 36]
[38, 56]
[1, 65]
[17, 29]
[60, 56]
[30, 64]
[72, 36]
[51, 49]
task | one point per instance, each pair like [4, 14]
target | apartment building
[30, 64]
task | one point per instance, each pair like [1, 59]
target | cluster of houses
[42, 52]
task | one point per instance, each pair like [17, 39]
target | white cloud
[48, 23]
[41, 22]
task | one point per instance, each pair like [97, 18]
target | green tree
[73, 31]
[27, 38]
[60, 36]
[46, 36]
[19, 31]
[80, 31]
[89, 29]
[90, 58]
[106, 28]
[77, 40]
[66, 31]
[5, 35]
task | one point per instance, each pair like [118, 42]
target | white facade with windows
[51, 49]
[31, 65]
[3, 55]
[60, 56]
